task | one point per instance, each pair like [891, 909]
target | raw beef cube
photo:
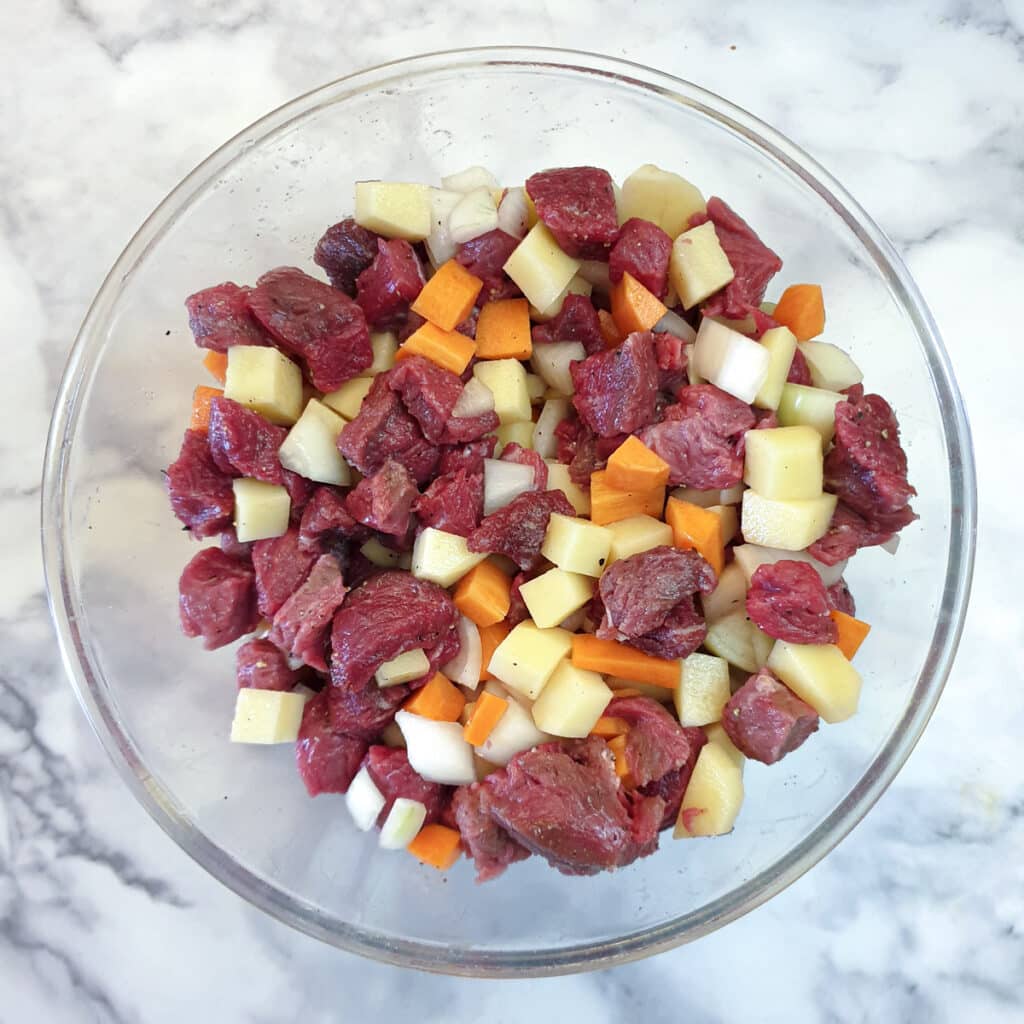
[217, 598]
[577, 204]
[201, 495]
[766, 720]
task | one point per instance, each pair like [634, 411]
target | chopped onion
[475, 214]
[673, 323]
[471, 178]
[596, 272]
[364, 800]
[402, 824]
[729, 360]
[552, 362]
[892, 545]
[545, 443]
[464, 668]
[515, 731]
[504, 481]
[475, 400]
[514, 212]
[437, 750]
[440, 247]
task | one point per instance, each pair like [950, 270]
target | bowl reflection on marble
[113, 551]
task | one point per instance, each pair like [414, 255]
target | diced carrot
[440, 700]
[490, 637]
[436, 845]
[614, 659]
[201, 398]
[613, 337]
[487, 713]
[802, 310]
[609, 727]
[217, 365]
[634, 467]
[449, 296]
[608, 504]
[449, 349]
[484, 594]
[617, 746]
[634, 307]
[697, 529]
[851, 633]
[503, 330]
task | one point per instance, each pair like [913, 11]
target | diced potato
[785, 463]
[663, 198]
[554, 595]
[730, 520]
[267, 716]
[544, 441]
[749, 556]
[791, 525]
[387, 558]
[728, 596]
[762, 644]
[698, 266]
[820, 675]
[394, 209]
[404, 668]
[442, 558]
[831, 368]
[261, 378]
[552, 362]
[579, 285]
[729, 360]
[311, 447]
[559, 480]
[503, 482]
[384, 345]
[261, 510]
[635, 534]
[780, 344]
[703, 689]
[535, 386]
[514, 433]
[525, 659]
[473, 215]
[506, 380]
[717, 734]
[348, 399]
[540, 268]
[572, 702]
[515, 731]
[576, 545]
[731, 637]
[813, 407]
[713, 795]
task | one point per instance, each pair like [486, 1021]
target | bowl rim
[87, 679]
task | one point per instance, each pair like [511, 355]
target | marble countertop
[918, 110]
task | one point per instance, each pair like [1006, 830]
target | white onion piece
[475, 214]
[552, 362]
[440, 247]
[475, 400]
[892, 545]
[402, 824]
[515, 732]
[673, 323]
[364, 800]
[729, 360]
[596, 273]
[464, 668]
[437, 750]
[545, 443]
[504, 481]
[514, 212]
[471, 178]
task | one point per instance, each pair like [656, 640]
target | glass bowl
[162, 706]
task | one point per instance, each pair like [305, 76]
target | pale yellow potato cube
[386, 558]
[384, 345]
[663, 198]
[514, 433]
[442, 558]
[526, 658]
[713, 795]
[576, 545]
[780, 343]
[579, 285]
[785, 463]
[348, 399]
[506, 380]
[635, 534]
[831, 368]
[717, 734]
[545, 443]
[403, 668]
[790, 525]
[802, 405]
[729, 595]
[731, 637]
[762, 644]
[729, 518]
[820, 675]
[267, 716]
[559, 480]
[554, 595]
[261, 510]
[261, 378]
[572, 702]
[698, 266]
[703, 689]
[394, 209]
[311, 447]
[540, 268]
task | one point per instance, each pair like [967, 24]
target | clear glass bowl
[162, 706]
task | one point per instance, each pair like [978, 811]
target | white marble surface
[919, 915]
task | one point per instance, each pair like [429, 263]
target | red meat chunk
[261, 665]
[484, 840]
[344, 252]
[231, 545]
[513, 452]
[847, 533]
[366, 711]
[575, 321]
[766, 420]
[517, 610]
[326, 523]
[243, 443]
[384, 501]
[700, 437]
[485, 257]
[577, 204]
[799, 371]
[469, 457]
[577, 448]
[454, 502]
[327, 760]
[671, 787]
[217, 598]
[282, 565]
[840, 599]
[319, 324]
[396, 778]
[518, 529]
[656, 743]
[300, 490]
[302, 622]
[616, 390]
[643, 250]
[766, 720]
[201, 495]
[762, 322]
[787, 600]
[855, 392]
[670, 353]
[684, 629]
[385, 289]
[753, 263]
[220, 317]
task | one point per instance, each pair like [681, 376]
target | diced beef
[653, 593]
[261, 665]
[767, 419]
[517, 610]
[281, 565]
[302, 622]
[670, 353]
[344, 252]
[395, 778]
[671, 787]
[365, 712]
[326, 523]
[787, 600]
[485, 257]
[201, 495]
[576, 321]
[513, 452]
[656, 744]
[409, 326]
[840, 599]
[469, 325]
[231, 545]
[384, 500]
[219, 318]
[386, 288]
[700, 437]
[518, 529]
[847, 533]
[577, 205]
[616, 390]
[384, 430]
[327, 760]
[855, 392]
[300, 490]
[319, 324]
[469, 457]
[490, 846]
[753, 263]
[763, 322]
[454, 502]
[577, 448]
[217, 598]
[799, 371]
[243, 443]
[642, 250]
[766, 720]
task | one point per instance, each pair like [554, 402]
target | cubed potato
[635, 534]
[559, 480]
[698, 266]
[729, 595]
[348, 399]
[506, 380]
[713, 795]
[503, 482]
[730, 520]
[576, 545]
[785, 463]
[717, 734]
[554, 595]
[820, 675]
[579, 285]
[267, 716]
[441, 557]
[545, 443]
[729, 360]
[387, 558]
[514, 433]
[791, 525]
[261, 510]
[261, 378]
[731, 637]
[540, 268]
[403, 668]
[749, 556]
[801, 405]
[384, 345]
[663, 198]
[515, 732]
[552, 362]
[831, 368]
[780, 344]
[572, 702]
[311, 447]
[762, 644]
[525, 659]
[703, 689]
[394, 209]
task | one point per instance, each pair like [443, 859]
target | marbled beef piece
[484, 840]
[513, 452]
[840, 599]
[577, 205]
[243, 443]
[386, 288]
[454, 502]
[517, 610]
[670, 353]
[616, 390]
[576, 321]
[517, 530]
[788, 601]
[395, 778]
[344, 252]
[302, 623]
[231, 545]
[326, 523]
[281, 565]
[683, 630]
[327, 759]
[642, 250]
[766, 720]
[485, 257]
[367, 711]
[384, 500]
[469, 457]
[217, 598]
[201, 495]
[262, 665]
[799, 371]
[219, 318]
[656, 743]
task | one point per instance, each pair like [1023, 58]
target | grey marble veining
[918, 109]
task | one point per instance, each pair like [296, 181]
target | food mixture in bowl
[533, 520]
